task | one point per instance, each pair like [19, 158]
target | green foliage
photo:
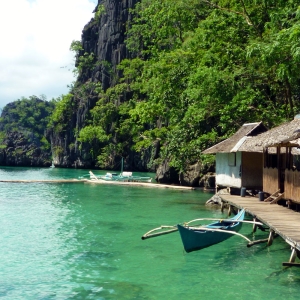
[58, 151]
[62, 113]
[100, 11]
[85, 61]
[202, 68]
[76, 47]
[27, 115]
[45, 145]
[230, 62]
[91, 134]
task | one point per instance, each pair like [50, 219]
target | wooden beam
[288, 264]
[256, 242]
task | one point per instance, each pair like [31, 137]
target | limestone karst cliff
[103, 42]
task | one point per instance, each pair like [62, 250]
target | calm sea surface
[83, 241]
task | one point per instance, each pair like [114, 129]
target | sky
[35, 40]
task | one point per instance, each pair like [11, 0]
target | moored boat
[196, 238]
[123, 176]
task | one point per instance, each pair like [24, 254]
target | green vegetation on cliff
[201, 69]
[22, 132]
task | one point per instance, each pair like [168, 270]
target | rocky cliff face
[23, 149]
[103, 38]
[103, 48]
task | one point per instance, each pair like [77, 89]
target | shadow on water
[98, 255]
[110, 290]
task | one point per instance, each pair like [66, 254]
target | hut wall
[228, 169]
[252, 170]
[270, 180]
[292, 185]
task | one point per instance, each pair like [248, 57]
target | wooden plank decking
[285, 222]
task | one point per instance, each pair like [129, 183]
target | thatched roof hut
[240, 140]
[281, 172]
[237, 163]
[286, 134]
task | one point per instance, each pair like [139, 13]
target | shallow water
[83, 241]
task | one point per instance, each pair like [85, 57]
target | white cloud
[35, 41]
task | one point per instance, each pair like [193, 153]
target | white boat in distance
[123, 176]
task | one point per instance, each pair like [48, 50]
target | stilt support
[293, 255]
[229, 210]
[222, 206]
[271, 237]
[254, 225]
[291, 262]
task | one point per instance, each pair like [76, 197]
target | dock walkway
[44, 181]
[283, 221]
[145, 184]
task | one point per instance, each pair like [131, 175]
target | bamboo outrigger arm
[149, 234]
[172, 229]
[225, 220]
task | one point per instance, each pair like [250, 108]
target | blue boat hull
[194, 239]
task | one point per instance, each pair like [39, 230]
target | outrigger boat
[202, 236]
[123, 176]
[196, 238]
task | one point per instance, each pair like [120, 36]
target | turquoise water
[83, 241]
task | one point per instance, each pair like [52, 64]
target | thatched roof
[239, 141]
[286, 134]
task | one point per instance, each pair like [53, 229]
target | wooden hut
[238, 164]
[281, 168]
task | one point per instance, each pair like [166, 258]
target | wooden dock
[281, 220]
[144, 184]
[45, 181]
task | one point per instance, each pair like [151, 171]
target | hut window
[231, 159]
[271, 161]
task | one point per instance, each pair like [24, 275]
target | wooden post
[271, 237]
[229, 210]
[222, 206]
[291, 262]
[254, 225]
[278, 166]
[293, 255]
